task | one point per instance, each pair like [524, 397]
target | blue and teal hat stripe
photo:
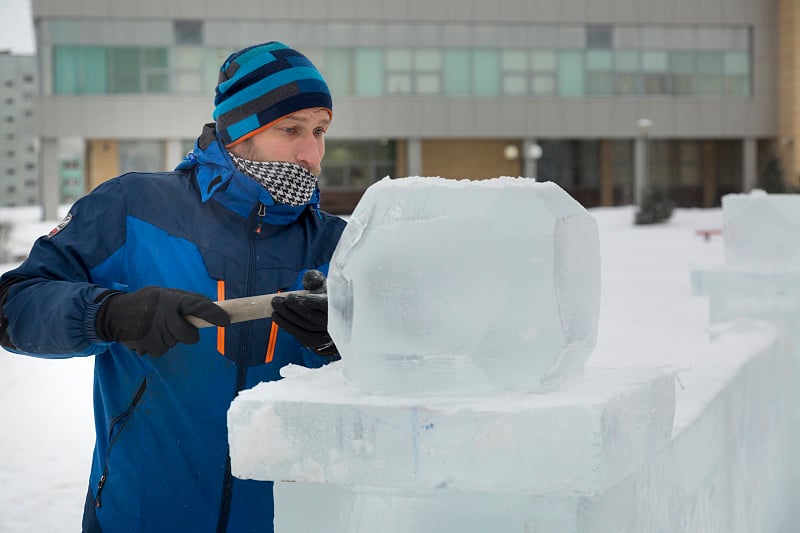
[260, 84]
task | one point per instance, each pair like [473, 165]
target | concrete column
[639, 169]
[606, 172]
[749, 165]
[50, 181]
[414, 157]
[530, 163]
[709, 166]
[172, 153]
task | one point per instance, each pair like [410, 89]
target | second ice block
[448, 287]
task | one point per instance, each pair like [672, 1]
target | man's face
[297, 138]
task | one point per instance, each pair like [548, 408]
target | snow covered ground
[648, 318]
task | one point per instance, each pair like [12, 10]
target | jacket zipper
[117, 425]
[262, 211]
[241, 375]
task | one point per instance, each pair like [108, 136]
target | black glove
[151, 320]
[305, 317]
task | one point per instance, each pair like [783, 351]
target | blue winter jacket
[161, 458]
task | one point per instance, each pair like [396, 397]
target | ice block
[445, 286]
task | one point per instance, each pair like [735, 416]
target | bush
[772, 178]
[656, 206]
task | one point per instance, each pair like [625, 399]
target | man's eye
[320, 132]
[289, 130]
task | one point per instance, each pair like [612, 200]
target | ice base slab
[315, 426]
[351, 510]
[728, 468]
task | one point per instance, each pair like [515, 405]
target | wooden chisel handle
[244, 309]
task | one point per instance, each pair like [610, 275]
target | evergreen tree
[656, 206]
[772, 178]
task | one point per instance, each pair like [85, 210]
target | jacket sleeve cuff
[314, 360]
[90, 320]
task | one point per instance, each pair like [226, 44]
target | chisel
[243, 309]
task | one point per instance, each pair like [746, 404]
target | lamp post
[532, 152]
[642, 165]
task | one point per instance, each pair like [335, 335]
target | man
[238, 217]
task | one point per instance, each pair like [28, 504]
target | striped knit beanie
[259, 85]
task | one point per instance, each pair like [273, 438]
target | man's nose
[309, 153]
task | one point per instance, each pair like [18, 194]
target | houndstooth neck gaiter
[288, 183]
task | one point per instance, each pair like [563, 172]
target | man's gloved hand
[305, 317]
[151, 320]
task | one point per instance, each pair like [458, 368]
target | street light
[511, 152]
[642, 167]
[533, 152]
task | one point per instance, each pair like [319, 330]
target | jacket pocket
[116, 427]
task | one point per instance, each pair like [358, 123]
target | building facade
[604, 97]
[19, 157]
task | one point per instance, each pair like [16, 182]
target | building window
[188, 31]
[544, 67]
[570, 163]
[627, 67]
[339, 70]
[683, 72]
[599, 36]
[120, 69]
[515, 67]
[369, 72]
[599, 73]
[398, 71]
[709, 73]
[456, 72]
[571, 74]
[140, 156]
[737, 74]
[656, 72]
[486, 72]
[188, 69]
[79, 70]
[137, 70]
[357, 164]
[428, 71]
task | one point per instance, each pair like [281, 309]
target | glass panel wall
[375, 59]
[119, 69]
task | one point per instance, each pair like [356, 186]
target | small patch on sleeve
[61, 225]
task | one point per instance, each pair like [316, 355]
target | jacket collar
[219, 178]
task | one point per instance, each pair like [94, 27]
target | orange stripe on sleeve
[273, 337]
[220, 331]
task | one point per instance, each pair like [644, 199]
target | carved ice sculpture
[443, 286]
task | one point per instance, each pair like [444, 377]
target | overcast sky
[16, 27]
